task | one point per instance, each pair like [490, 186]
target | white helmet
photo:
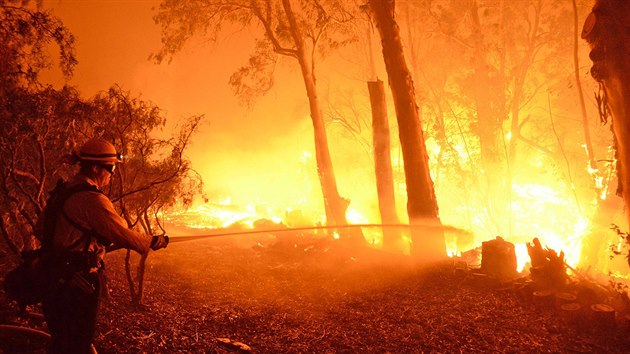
[99, 151]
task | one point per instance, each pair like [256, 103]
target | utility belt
[72, 262]
[78, 270]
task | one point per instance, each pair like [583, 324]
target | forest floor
[208, 296]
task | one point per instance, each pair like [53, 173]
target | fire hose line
[24, 336]
[12, 331]
[289, 229]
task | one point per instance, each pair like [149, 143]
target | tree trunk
[489, 98]
[137, 294]
[130, 279]
[422, 207]
[578, 85]
[383, 162]
[392, 238]
[606, 30]
[335, 206]
[488, 122]
[435, 83]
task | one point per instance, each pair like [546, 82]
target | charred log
[572, 313]
[544, 299]
[548, 269]
[564, 298]
[498, 258]
[603, 316]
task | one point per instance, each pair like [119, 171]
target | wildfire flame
[535, 208]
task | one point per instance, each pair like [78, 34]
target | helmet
[99, 151]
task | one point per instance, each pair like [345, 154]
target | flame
[538, 210]
[218, 215]
[521, 256]
[552, 218]
[542, 211]
[535, 207]
[451, 252]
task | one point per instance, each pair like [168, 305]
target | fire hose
[290, 229]
[11, 332]
[174, 239]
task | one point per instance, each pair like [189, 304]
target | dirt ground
[228, 295]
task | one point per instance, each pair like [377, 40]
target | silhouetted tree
[42, 125]
[29, 129]
[25, 37]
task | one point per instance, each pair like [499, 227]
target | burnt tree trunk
[383, 162]
[422, 207]
[335, 206]
[607, 31]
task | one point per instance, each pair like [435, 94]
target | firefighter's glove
[158, 242]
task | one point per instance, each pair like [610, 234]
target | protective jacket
[92, 211]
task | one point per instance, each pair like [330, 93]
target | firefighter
[76, 227]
